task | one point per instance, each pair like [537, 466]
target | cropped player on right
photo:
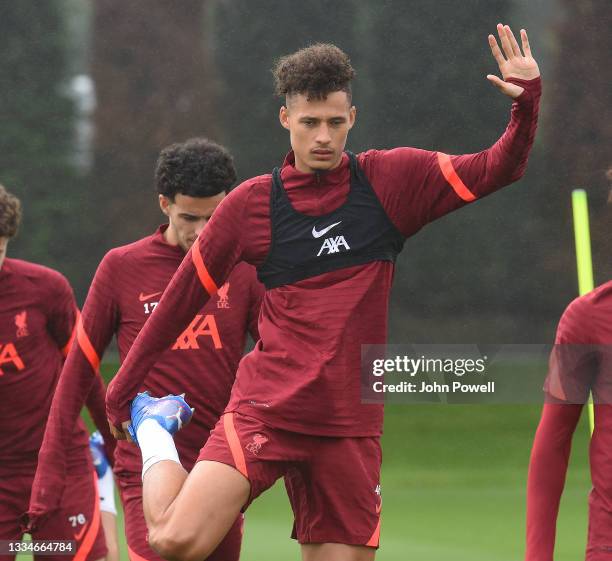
[581, 363]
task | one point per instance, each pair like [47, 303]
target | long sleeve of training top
[414, 187]
[547, 470]
[257, 293]
[95, 404]
[79, 384]
[552, 444]
[427, 185]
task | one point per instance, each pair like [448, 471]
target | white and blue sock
[156, 444]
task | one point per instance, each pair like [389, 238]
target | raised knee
[163, 544]
[177, 546]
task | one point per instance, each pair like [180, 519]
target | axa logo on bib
[331, 244]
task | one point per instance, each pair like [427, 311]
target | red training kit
[37, 324]
[586, 321]
[304, 374]
[38, 313]
[202, 361]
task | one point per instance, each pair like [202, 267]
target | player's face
[318, 129]
[3, 245]
[187, 217]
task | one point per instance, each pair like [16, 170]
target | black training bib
[357, 232]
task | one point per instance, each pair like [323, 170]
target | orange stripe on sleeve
[68, 345]
[94, 526]
[85, 345]
[449, 173]
[234, 443]
[553, 383]
[207, 282]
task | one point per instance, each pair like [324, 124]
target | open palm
[512, 62]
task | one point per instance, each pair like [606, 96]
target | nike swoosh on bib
[318, 234]
[144, 297]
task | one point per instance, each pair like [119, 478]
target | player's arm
[96, 404]
[61, 311]
[99, 323]
[418, 186]
[257, 294]
[567, 387]
[63, 324]
[547, 470]
[94, 330]
[204, 269]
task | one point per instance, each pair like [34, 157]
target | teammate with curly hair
[191, 179]
[323, 231]
[38, 314]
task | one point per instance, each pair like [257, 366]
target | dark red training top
[37, 318]
[303, 374]
[202, 361]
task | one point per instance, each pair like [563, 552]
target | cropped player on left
[38, 315]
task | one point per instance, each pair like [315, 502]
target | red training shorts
[78, 517]
[333, 483]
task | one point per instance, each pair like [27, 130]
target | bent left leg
[130, 485]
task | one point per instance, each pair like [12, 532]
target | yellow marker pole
[584, 262]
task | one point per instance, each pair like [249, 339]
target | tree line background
[93, 89]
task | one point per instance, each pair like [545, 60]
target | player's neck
[170, 236]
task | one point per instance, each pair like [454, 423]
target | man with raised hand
[38, 314]
[323, 231]
[191, 179]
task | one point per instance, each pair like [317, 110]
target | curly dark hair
[315, 71]
[197, 167]
[10, 214]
